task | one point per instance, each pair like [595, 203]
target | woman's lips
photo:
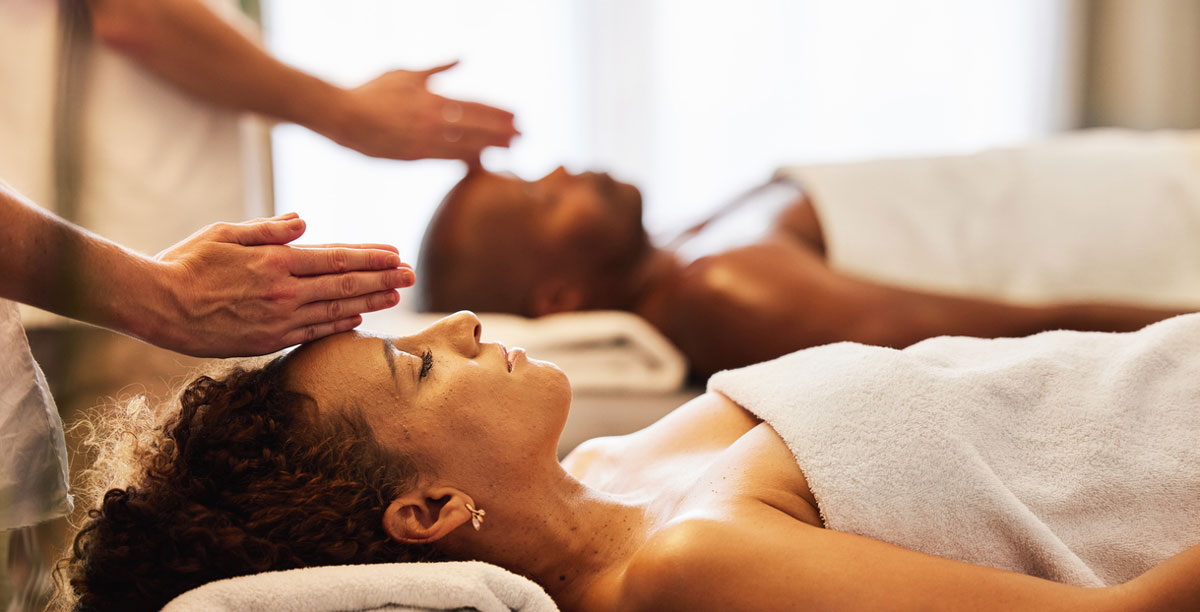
[510, 357]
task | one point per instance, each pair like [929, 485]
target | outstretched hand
[238, 289]
[396, 116]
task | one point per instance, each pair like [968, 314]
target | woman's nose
[462, 331]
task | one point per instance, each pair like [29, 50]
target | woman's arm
[764, 560]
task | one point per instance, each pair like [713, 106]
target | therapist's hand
[237, 289]
[396, 116]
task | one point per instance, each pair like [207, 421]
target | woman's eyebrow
[391, 359]
[390, 356]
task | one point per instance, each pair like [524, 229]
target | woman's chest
[709, 458]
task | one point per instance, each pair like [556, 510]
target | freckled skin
[704, 510]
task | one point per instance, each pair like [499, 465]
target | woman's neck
[560, 533]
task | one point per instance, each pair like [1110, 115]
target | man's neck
[656, 270]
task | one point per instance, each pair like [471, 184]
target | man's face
[587, 218]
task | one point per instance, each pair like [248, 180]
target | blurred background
[697, 101]
[694, 101]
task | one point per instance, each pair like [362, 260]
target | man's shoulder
[748, 304]
[748, 271]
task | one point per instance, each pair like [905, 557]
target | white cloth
[33, 455]
[1073, 456]
[156, 163]
[391, 586]
[599, 350]
[1097, 215]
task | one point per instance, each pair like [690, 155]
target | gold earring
[476, 515]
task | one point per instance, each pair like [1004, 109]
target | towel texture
[391, 586]
[1097, 215]
[600, 350]
[1068, 455]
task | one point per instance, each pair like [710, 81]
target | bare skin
[705, 510]
[228, 290]
[725, 309]
[392, 116]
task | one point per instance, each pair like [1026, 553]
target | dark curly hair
[242, 478]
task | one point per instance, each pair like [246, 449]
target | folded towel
[1072, 456]
[389, 586]
[599, 350]
[1098, 215]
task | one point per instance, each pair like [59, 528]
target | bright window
[693, 101]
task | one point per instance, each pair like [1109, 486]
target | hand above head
[239, 289]
[396, 116]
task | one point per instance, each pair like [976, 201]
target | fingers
[469, 145]
[488, 118]
[341, 245]
[318, 261]
[336, 310]
[351, 285]
[276, 230]
[320, 319]
[428, 72]
[308, 333]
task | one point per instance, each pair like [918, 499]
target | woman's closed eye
[426, 364]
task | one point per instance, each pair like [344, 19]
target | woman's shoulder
[686, 564]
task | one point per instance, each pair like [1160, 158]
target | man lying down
[1094, 231]
[1055, 472]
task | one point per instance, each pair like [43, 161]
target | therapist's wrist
[150, 310]
[322, 107]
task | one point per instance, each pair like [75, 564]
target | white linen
[1073, 456]
[33, 455]
[1096, 215]
[599, 350]
[391, 586]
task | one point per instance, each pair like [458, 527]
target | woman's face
[459, 405]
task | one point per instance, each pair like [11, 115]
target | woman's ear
[426, 516]
[554, 295]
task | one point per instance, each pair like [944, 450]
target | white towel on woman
[1072, 456]
[389, 586]
[1097, 215]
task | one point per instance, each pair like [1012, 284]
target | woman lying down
[1056, 472]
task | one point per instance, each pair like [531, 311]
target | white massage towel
[1072, 456]
[1097, 215]
[390, 586]
[598, 350]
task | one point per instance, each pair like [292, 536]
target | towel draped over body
[1073, 456]
[1110, 215]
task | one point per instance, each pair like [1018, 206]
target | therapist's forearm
[56, 266]
[190, 46]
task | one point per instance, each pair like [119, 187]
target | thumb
[267, 231]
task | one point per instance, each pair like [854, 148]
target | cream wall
[1143, 67]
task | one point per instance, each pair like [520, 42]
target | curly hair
[242, 478]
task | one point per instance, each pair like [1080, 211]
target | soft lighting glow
[693, 101]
